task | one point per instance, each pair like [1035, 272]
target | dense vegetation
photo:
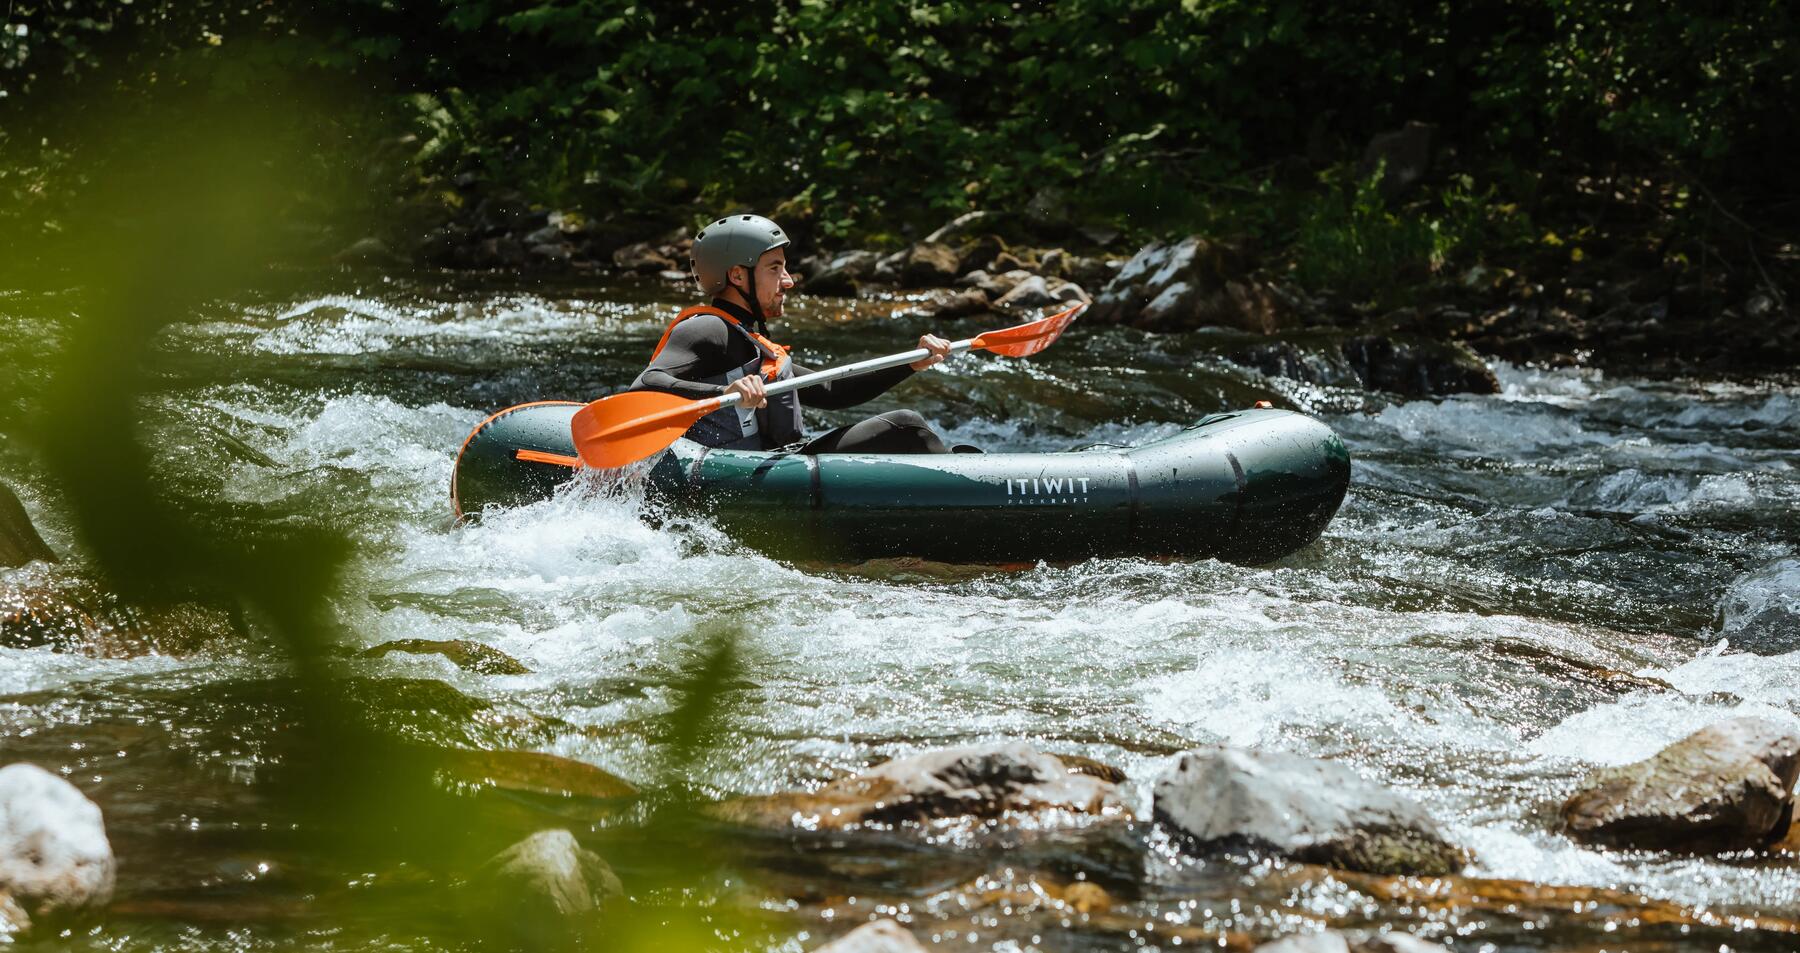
[869, 117]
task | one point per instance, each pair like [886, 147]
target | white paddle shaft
[848, 370]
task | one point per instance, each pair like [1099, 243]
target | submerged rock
[882, 936]
[1188, 284]
[55, 859]
[981, 781]
[19, 540]
[1332, 941]
[1221, 798]
[1761, 611]
[1728, 786]
[468, 656]
[1419, 368]
[529, 772]
[543, 891]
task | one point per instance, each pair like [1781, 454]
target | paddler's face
[772, 282]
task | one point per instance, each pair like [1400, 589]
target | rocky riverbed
[1535, 689]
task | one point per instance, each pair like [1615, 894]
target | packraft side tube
[1248, 487]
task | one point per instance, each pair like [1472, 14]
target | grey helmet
[733, 240]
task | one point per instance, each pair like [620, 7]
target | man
[723, 348]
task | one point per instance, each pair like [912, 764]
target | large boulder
[1728, 786]
[19, 540]
[55, 860]
[981, 781]
[1761, 610]
[1188, 284]
[542, 891]
[1222, 798]
[881, 936]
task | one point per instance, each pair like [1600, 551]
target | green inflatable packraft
[1249, 487]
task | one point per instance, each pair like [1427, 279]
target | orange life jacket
[775, 356]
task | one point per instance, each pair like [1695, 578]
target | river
[1487, 618]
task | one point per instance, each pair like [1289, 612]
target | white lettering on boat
[1043, 489]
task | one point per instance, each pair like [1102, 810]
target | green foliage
[1356, 243]
[873, 113]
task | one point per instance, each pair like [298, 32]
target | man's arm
[851, 391]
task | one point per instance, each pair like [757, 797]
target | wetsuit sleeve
[697, 348]
[851, 390]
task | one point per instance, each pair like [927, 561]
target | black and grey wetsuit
[705, 353]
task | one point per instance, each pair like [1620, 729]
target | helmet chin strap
[756, 312]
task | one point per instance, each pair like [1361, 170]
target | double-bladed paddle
[625, 428]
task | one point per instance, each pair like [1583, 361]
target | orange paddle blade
[625, 428]
[1027, 339]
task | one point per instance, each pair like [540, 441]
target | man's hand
[939, 349]
[750, 388]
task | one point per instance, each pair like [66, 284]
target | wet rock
[370, 249]
[543, 891]
[982, 781]
[1728, 786]
[1222, 798]
[976, 254]
[1085, 897]
[966, 226]
[1188, 284]
[1327, 942]
[1007, 261]
[642, 258]
[946, 303]
[1038, 292]
[1419, 368]
[55, 860]
[45, 606]
[529, 772]
[1281, 358]
[556, 253]
[1331, 941]
[468, 656]
[508, 211]
[1761, 610]
[996, 286]
[1090, 766]
[841, 274]
[502, 251]
[1402, 156]
[928, 265]
[881, 936]
[19, 540]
